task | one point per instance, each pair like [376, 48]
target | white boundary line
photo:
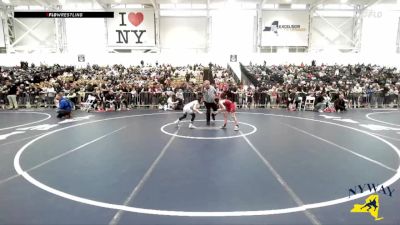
[5, 136]
[54, 191]
[48, 117]
[207, 138]
[61, 155]
[74, 149]
[384, 136]
[380, 121]
[341, 147]
[385, 109]
[207, 128]
[117, 217]
[22, 139]
[283, 183]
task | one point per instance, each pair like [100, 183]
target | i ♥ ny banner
[131, 28]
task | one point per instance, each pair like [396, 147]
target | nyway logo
[372, 188]
[371, 205]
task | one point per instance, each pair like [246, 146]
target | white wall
[86, 35]
[325, 36]
[232, 31]
[43, 35]
[379, 32]
[184, 59]
[180, 33]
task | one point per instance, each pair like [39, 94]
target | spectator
[180, 99]
[110, 100]
[249, 97]
[121, 100]
[72, 96]
[321, 102]
[340, 104]
[273, 96]
[50, 94]
[162, 102]
[172, 102]
[356, 94]
[64, 106]
[12, 95]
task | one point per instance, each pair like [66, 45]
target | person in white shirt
[337, 72]
[356, 91]
[51, 93]
[191, 108]
[172, 102]
[209, 93]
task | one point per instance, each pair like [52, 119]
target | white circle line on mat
[62, 194]
[207, 138]
[38, 121]
[380, 121]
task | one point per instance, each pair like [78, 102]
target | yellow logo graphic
[371, 206]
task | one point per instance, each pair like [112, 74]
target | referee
[209, 94]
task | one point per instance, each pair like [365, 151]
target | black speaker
[24, 65]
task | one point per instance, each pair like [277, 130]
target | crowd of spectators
[114, 87]
[360, 85]
[169, 87]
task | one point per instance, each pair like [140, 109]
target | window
[298, 6]
[269, 49]
[297, 49]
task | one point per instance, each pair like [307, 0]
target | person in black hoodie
[110, 99]
[340, 104]
[12, 94]
[320, 103]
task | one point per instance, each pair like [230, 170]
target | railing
[257, 100]
[249, 76]
[234, 75]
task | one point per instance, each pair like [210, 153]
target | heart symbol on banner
[135, 18]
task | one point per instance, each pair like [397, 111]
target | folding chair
[300, 103]
[309, 104]
[88, 105]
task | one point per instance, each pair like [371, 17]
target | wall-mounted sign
[131, 28]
